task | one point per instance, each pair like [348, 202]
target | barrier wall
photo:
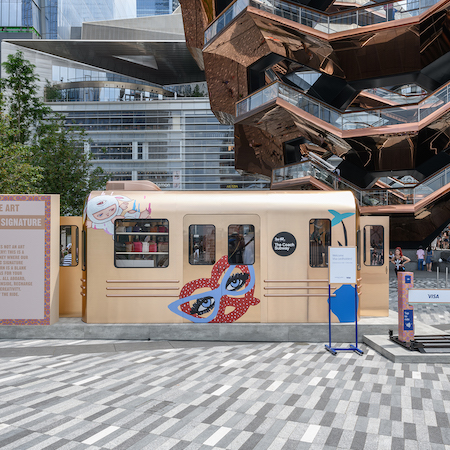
[29, 259]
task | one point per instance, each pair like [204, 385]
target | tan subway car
[151, 256]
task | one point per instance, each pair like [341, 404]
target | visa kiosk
[407, 298]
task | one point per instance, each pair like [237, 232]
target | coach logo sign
[284, 244]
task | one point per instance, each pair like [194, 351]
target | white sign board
[428, 296]
[24, 259]
[342, 265]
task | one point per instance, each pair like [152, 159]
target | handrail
[365, 197]
[328, 23]
[399, 99]
[347, 120]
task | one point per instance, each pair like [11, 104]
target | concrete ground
[82, 394]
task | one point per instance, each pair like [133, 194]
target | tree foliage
[38, 142]
[18, 174]
[24, 108]
[66, 168]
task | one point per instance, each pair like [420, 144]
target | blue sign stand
[353, 348]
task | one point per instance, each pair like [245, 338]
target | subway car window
[83, 243]
[68, 245]
[241, 244]
[202, 245]
[319, 241]
[373, 245]
[141, 243]
[358, 249]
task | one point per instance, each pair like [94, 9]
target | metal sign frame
[342, 269]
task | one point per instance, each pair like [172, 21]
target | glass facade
[176, 143]
[55, 19]
[72, 13]
[104, 94]
[147, 8]
[21, 13]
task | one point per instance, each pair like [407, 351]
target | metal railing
[365, 197]
[348, 120]
[400, 99]
[362, 16]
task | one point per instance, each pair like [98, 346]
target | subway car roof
[234, 202]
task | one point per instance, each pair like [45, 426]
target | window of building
[68, 245]
[319, 241]
[373, 245]
[141, 243]
[241, 244]
[202, 245]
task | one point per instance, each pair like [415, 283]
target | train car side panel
[135, 286]
[334, 225]
[286, 264]
[374, 260]
[221, 269]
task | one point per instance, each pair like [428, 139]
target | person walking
[420, 258]
[428, 257]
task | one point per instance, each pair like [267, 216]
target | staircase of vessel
[376, 121]
[424, 193]
[389, 138]
[417, 214]
[359, 53]
[329, 23]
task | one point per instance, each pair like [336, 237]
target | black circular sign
[284, 244]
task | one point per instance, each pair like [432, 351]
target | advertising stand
[342, 270]
[29, 259]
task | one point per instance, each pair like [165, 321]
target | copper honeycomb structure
[330, 78]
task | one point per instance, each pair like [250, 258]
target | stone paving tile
[246, 396]
[221, 395]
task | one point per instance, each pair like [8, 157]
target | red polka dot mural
[230, 286]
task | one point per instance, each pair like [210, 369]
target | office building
[139, 123]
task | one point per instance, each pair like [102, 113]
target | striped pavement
[60, 394]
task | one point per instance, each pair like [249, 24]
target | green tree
[52, 94]
[196, 92]
[39, 136]
[22, 104]
[66, 167]
[18, 174]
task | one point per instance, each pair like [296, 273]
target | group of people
[443, 240]
[423, 259]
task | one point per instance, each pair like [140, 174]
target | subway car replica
[152, 256]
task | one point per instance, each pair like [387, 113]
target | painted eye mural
[223, 298]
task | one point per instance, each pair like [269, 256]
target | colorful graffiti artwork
[101, 211]
[343, 304]
[337, 219]
[230, 286]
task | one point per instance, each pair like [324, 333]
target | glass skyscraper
[58, 19]
[145, 8]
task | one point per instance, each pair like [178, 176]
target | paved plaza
[59, 394]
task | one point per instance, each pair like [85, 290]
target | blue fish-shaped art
[343, 304]
[338, 217]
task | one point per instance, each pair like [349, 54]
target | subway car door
[374, 263]
[70, 271]
[221, 269]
